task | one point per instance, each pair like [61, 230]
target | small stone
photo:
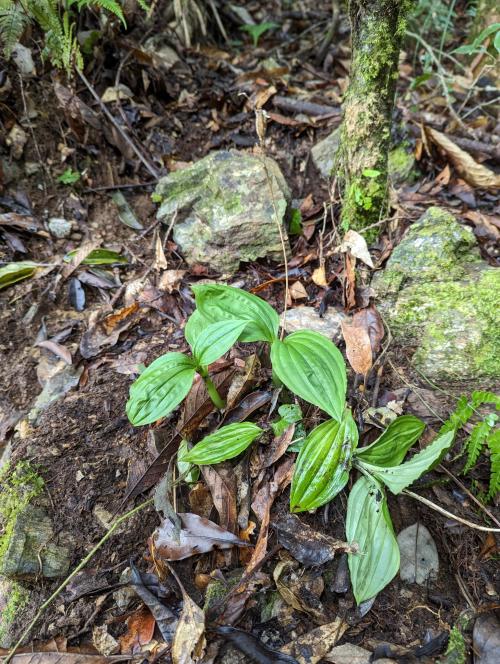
[79, 476]
[76, 236]
[307, 318]
[224, 209]
[60, 228]
[323, 153]
[103, 516]
[23, 60]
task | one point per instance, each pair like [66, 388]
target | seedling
[256, 31]
[313, 368]
[69, 177]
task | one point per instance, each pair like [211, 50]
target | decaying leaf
[105, 332]
[475, 174]
[198, 535]
[301, 591]
[358, 347]
[419, 556]
[140, 629]
[355, 244]
[313, 646]
[125, 213]
[198, 404]
[57, 349]
[252, 646]
[165, 619]
[297, 291]
[222, 485]
[307, 545]
[319, 277]
[189, 640]
[486, 639]
[243, 381]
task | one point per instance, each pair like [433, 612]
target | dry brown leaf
[313, 646]
[57, 349]
[141, 626]
[358, 347]
[64, 658]
[319, 277]
[169, 279]
[160, 262]
[297, 291]
[355, 244]
[189, 640]
[475, 174]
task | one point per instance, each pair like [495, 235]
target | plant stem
[77, 569]
[217, 400]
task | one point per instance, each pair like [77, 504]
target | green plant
[484, 434]
[313, 368]
[476, 46]
[256, 31]
[57, 21]
[69, 177]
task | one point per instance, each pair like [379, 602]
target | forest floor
[103, 325]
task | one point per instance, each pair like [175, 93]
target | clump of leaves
[485, 435]
[69, 177]
[256, 31]
[312, 368]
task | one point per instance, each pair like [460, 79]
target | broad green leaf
[225, 443]
[216, 339]
[323, 464]
[188, 472]
[13, 272]
[194, 327]
[399, 477]
[160, 388]
[217, 302]
[369, 525]
[98, 257]
[312, 367]
[391, 447]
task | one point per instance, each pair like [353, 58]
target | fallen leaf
[200, 500]
[243, 381]
[222, 485]
[198, 535]
[370, 319]
[313, 646]
[140, 629]
[301, 591]
[252, 646]
[298, 292]
[64, 658]
[419, 556]
[349, 282]
[307, 545]
[189, 640]
[125, 213]
[358, 347]
[319, 277]
[164, 618]
[160, 262]
[169, 279]
[57, 349]
[198, 404]
[105, 332]
[103, 641]
[278, 447]
[247, 406]
[472, 172]
[355, 244]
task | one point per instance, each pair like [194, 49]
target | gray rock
[400, 167]
[13, 598]
[307, 318]
[439, 297]
[225, 213]
[30, 548]
[60, 228]
[419, 556]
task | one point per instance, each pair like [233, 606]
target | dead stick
[307, 107]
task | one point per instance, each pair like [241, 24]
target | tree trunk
[377, 29]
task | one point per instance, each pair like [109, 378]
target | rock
[348, 654]
[16, 140]
[419, 556]
[438, 295]
[13, 598]
[400, 167]
[60, 228]
[30, 547]
[307, 318]
[23, 60]
[224, 208]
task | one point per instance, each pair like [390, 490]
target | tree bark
[377, 30]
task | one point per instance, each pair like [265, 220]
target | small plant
[485, 434]
[313, 368]
[69, 177]
[256, 31]
[477, 46]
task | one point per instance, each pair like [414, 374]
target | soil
[83, 444]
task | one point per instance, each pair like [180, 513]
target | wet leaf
[307, 545]
[472, 172]
[198, 535]
[312, 367]
[125, 213]
[370, 319]
[391, 447]
[355, 244]
[140, 629]
[225, 443]
[357, 347]
[419, 556]
[165, 619]
[76, 294]
[247, 406]
[369, 525]
[97, 257]
[310, 648]
[14, 272]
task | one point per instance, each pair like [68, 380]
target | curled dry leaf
[358, 347]
[313, 646]
[189, 640]
[198, 535]
[475, 174]
[165, 619]
[355, 244]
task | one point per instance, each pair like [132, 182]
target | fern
[475, 442]
[13, 21]
[493, 442]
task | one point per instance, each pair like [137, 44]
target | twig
[112, 187]
[307, 107]
[449, 515]
[77, 569]
[151, 169]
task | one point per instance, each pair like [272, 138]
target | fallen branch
[307, 107]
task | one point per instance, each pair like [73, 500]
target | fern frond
[474, 443]
[478, 398]
[112, 6]
[459, 417]
[493, 442]
[13, 20]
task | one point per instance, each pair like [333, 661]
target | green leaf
[399, 477]
[217, 303]
[69, 176]
[493, 442]
[188, 472]
[323, 464]
[477, 439]
[216, 339]
[13, 272]
[225, 443]
[98, 257]
[312, 367]
[369, 525]
[371, 173]
[296, 222]
[160, 388]
[194, 327]
[391, 447]
[256, 31]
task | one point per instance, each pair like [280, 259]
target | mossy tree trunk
[377, 29]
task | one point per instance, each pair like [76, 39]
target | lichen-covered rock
[307, 318]
[225, 212]
[13, 598]
[400, 166]
[438, 296]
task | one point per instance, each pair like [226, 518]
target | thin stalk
[217, 400]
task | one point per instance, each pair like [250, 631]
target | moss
[401, 164]
[18, 598]
[19, 487]
[456, 651]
